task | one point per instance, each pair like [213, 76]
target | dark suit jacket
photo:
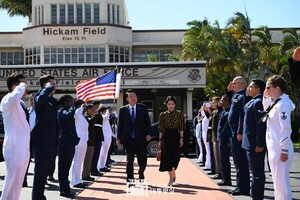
[67, 132]
[254, 129]
[141, 126]
[45, 130]
[92, 132]
[224, 132]
[98, 130]
[236, 112]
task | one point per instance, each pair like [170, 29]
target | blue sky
[170, 14]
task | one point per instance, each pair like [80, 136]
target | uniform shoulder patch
[283, 116]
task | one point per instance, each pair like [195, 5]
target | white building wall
[167, 37]
[11, 40]
[46, 4]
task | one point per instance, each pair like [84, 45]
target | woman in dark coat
[171, 126]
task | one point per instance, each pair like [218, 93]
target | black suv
[153, 143]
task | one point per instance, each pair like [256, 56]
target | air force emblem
[194, 75]
[283, 116]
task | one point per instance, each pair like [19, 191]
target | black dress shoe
[80, 185]
[104, 169]
[238, 192]
[231, 191]
[223, 183]
[67, 194]
[97, 174]
[130, 184]
[88, 178]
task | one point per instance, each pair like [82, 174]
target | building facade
[76, 40]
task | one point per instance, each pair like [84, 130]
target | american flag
[99, 88]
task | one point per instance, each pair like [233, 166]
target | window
[12, 58]
[32, 56]
[113, 14]
[88, 13]
[143, 55]
[62, 13]
[79, 14]
[118, 54]
[108, 13]
[42, 14]
[96, 13]
[39, 15]
[53, 14]
[35, 15]
[74, 54]
[118, 15]
[70, 13]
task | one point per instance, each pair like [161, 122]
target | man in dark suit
[44, 135]
[133, 132]
[236, 120]
[254, 137]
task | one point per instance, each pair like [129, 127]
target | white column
[189, 103]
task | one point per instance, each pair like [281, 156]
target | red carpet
[191, 184]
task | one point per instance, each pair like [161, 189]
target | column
[189, 103]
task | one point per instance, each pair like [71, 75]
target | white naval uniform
[198, 136]
[107, 133]
[205, 123]
[278, 141]
[16, 142]
[32, 117]
[82, 127]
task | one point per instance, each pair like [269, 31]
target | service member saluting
[16, 137]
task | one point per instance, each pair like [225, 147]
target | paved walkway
[191, 183]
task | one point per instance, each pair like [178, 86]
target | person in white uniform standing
[205, 136]
[199, 136]
[82, 127]
[16, 137]
[107, 133]
[279, 143]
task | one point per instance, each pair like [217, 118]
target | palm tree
[194, 43]
[17, 7]
[289, 40]
[239, 27]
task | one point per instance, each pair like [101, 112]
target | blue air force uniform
[224, 135]
[236, 120]
[68, 139]
[254, 135]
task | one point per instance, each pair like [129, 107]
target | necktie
[132, 115]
